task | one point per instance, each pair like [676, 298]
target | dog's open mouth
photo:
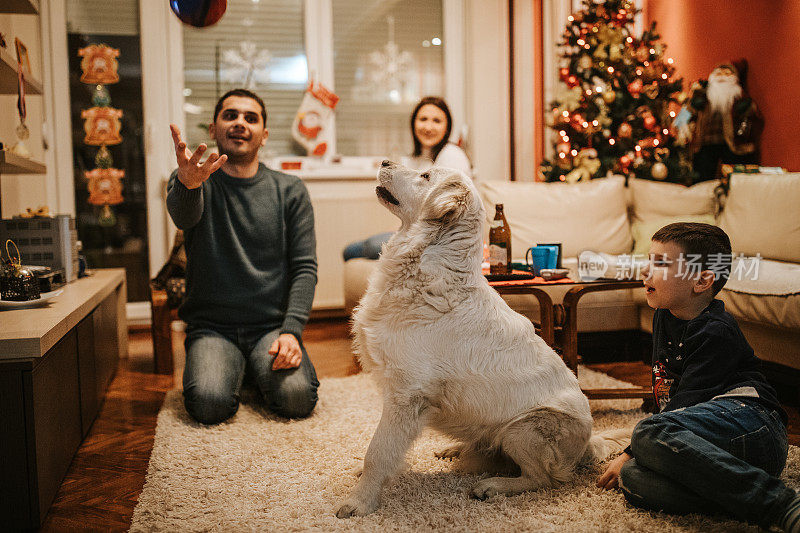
[384, 194]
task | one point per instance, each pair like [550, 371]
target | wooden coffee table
[546, 308]
[570, 330]
[564, 316]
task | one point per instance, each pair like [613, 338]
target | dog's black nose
[386, 163]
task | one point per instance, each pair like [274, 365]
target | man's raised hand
[191, 172]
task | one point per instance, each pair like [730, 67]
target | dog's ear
[447, 201]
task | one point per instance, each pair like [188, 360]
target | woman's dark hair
[440, 103]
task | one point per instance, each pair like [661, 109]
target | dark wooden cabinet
[47, 406]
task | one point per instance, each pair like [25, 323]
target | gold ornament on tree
[659, 171]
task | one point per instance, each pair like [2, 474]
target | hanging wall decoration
[99, 64]
[105, 187]
[313, 121]
[103, 128]
[23, 65]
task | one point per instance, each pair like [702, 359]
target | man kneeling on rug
[719, 442]
[251, 269]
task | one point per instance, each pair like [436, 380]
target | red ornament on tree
[625, 162]
[572, 81]
[625, 130]
[563, 73]
[635, 87]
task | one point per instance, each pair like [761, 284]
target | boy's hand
[286, 350]
[610, 478]
[190, 171]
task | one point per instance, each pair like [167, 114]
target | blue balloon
[199, 13]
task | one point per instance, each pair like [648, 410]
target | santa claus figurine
[727, 123]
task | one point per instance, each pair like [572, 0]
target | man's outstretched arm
[184, 191]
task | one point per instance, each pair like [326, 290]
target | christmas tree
[615, 106]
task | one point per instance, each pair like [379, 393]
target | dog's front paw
[451, 452]
[486, 489]
[354, 507]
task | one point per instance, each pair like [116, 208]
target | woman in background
[431, 125]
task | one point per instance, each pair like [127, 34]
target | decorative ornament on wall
[312, 123]
[103, 128]
[247, 65]
[105, 187]
[389, 73]
[99, 64]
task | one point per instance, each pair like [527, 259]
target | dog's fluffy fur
[448, 352]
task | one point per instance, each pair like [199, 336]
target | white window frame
[318, 25]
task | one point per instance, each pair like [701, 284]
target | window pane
[258, 46]
[387, 55]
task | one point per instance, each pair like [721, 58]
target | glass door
[105, 82]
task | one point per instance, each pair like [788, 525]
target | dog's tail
[603, 444]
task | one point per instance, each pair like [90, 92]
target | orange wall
[700, 34]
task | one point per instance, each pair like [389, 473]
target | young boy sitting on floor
[718, 441]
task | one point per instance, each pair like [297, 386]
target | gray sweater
[250, 248]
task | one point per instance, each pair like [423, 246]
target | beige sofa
[761, 214]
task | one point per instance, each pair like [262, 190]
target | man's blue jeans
[369, 248]
[216, 361]
[717, 457]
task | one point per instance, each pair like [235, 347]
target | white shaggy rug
[257, 472]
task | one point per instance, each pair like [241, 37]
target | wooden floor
[107, 474]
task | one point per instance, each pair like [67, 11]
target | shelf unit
[14, 164]
[8, 76]
[20, 7]
[9, 80]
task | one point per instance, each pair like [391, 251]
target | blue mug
[541, 256]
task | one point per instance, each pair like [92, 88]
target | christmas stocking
[312, 123]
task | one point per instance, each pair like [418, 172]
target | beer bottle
[499, 243]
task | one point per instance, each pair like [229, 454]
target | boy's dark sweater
[705, 357]
[251, 250]
[696, 360]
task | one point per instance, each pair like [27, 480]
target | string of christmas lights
[614, 109]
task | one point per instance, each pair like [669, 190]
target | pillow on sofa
[582, 216]
[762, 215]
[652, 200]
[643, 230]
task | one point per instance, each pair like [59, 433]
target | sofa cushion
[761, 215]
[582, 216]
[653, 200]
[773, 344]
[764, 291]
[643, 230]
[356, 280]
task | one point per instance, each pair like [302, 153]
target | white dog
[448, 352]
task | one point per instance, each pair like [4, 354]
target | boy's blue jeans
[216, 360]
[721, 456]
